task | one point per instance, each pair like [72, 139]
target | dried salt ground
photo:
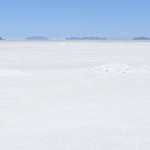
[49, 100]
[13, 73]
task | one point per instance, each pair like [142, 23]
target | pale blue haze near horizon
[58, 19]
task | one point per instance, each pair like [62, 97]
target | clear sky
[58, 19]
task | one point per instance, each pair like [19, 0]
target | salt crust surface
[74, 95]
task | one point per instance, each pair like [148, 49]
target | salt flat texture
[75, 95]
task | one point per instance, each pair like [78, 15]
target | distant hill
[37, 38]
[1, 38]
[141, 38]
[118, 38]
[86, 38]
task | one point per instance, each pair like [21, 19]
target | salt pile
[119, 68]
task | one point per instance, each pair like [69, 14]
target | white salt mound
[114, 68]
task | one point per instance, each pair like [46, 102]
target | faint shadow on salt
[13, 73]
[117, 68]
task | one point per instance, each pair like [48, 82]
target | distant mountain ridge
[37, 38]
[86, 38]
[141, 38]
[1, 38]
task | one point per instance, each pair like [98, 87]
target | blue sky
[58, 19]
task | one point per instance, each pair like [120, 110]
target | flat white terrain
[75, 95]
